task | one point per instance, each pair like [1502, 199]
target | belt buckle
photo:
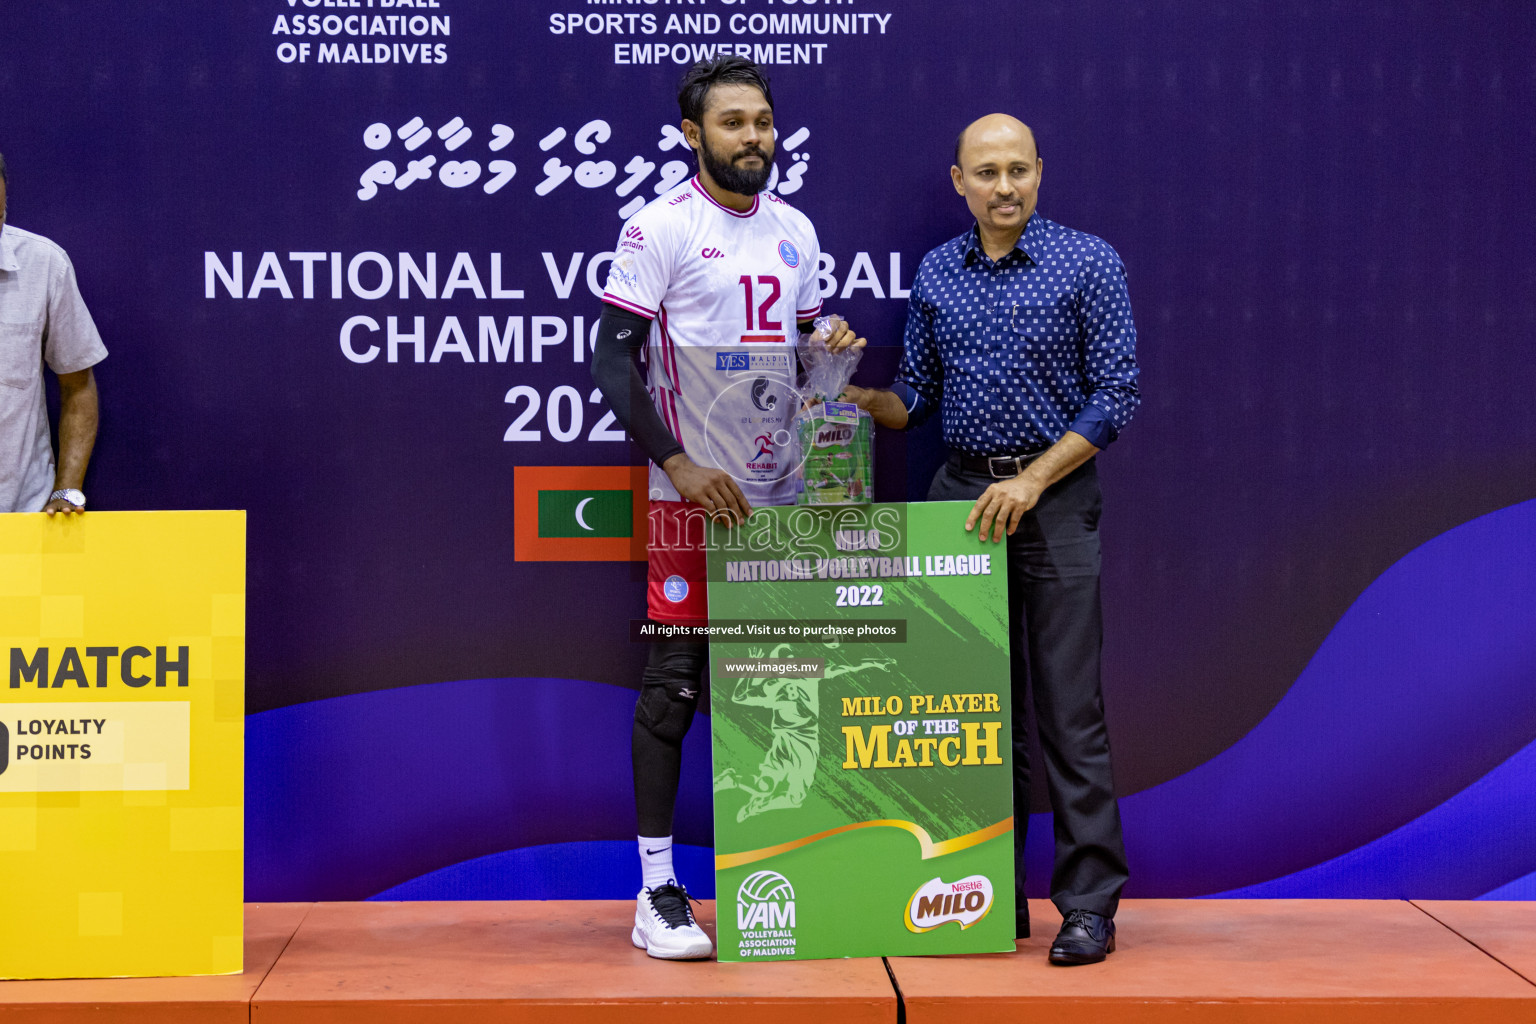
[993, 460]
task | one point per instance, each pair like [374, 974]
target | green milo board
[860, 713]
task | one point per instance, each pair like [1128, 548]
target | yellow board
[122, 720]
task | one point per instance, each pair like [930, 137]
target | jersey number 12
[760, 318]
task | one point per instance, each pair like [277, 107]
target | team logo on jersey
[675, 589]
[760, 396]
[789, 254]
[711, 253]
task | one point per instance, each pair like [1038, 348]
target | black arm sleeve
[616, 369]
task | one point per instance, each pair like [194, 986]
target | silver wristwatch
[73, 495]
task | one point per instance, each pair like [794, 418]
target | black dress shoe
[1085, 938]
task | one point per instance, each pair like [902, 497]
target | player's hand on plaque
[1002, 505]
[714, 490]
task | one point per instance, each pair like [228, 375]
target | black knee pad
[670, 688]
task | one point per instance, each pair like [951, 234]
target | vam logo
[711, 253]
[634, 232]
[765, 902]
[939, 902]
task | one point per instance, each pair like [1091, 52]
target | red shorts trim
[677, 583]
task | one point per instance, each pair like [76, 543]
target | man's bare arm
[883, 406]
[79, 412]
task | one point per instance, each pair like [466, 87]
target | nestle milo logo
[833, 433]
[937, 902]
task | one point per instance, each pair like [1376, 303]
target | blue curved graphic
[599, 870]
[1523, 888]
[351, 796]
[1422, 688]
[1471, 844]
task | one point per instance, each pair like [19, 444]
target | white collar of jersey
[756, 200]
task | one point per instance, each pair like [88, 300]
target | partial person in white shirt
[43, 321]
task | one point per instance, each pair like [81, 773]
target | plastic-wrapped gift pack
[835, 456]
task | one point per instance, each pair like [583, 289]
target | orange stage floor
[1178, 960]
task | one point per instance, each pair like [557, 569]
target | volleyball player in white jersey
[713, 282]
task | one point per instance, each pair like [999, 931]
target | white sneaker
[664, 925]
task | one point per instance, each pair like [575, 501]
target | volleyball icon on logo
[763, 886]
[765, 900]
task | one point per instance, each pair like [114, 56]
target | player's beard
[732, 178]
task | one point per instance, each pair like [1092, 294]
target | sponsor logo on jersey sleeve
[789, 254]
[675, 589]
[623, 271]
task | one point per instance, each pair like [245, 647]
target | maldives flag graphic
[579, 513]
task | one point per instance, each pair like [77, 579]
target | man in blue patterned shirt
[1019, 333]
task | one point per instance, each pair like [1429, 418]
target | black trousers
[1056, 629]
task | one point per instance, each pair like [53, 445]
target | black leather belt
[999, 467]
